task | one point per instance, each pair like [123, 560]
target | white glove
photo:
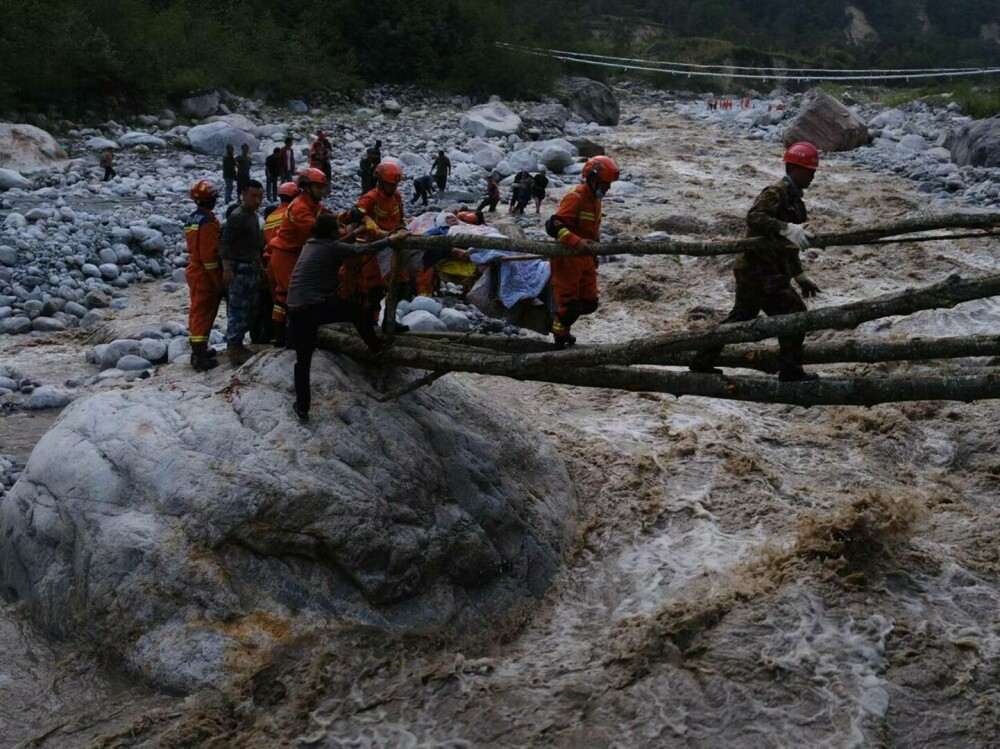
[797, 234]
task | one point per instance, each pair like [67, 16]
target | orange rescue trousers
[361, 280]
[279, 273]
[574, 291]
[206, 295]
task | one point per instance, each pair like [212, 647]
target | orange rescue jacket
[382, 214]
[201, 233]
[579, 213]
[297, 224]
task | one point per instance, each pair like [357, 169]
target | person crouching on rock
[313, 297]
[203, 274]
[577, 224]
[764, 277]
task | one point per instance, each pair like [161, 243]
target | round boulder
[189, 530]
[212, 139]
[27, 148]
[490, 120]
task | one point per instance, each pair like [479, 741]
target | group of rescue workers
[321, 267]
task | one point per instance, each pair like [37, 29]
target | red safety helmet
[311, 176]
[802, 154]
[290, 189]
[602, 167]
[386, 171]
[204, 189]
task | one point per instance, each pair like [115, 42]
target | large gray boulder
[489, 121]
[976, 143]
[549, 118]
[828, 125]
[591, 100]
[188, 529]
[212, 138]
[200, 106]
[27, 148]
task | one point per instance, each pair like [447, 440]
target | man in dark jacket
[241, 244]
[422, 187]
[229, 172]
[272, 173]
[764, 277]
[243, 165]
[442, 168]
[314, 299]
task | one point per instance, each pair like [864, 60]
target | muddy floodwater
[746, 575]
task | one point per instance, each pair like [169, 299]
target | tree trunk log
[858, 391]
[863, 235]
[764, 358]
[947, 293]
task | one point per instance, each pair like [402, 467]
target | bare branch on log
[863, 235]
[409, 387]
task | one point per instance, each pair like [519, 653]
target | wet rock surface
[190, 529]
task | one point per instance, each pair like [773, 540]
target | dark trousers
[488, 201]
[260, 325]
[442, 180]
[303, 325]
[773, 295]
[109, 174]
[419, 194]
[271, 187]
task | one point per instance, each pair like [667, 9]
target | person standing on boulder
[764, 276]
[538, 184]
[107, 161]
[287, 161]
[272, 173]
[442, 168]
[295, 228]
[243, 165]
[241, 244]
[313, 298]
[229, 172]
[203, 274]
[577, 224]
[381, 215]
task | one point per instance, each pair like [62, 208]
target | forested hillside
[123, 54]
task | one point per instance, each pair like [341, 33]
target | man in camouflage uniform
[764, 277]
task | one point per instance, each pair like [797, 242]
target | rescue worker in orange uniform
[577, 224]
[295, 228]
[381, 215]
[204, 272]
[260, 331]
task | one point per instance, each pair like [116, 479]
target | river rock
[212, 138]
[8, 256]
[27, 148]
[489, 121]
[297, 106]
[455, 321]
[9, 179]
[976, 143]
[47, 324]
[116, 350]
[132, 363]
[152, 350]
[133, 139]
[187, 530]
[828, 125]
[200, 106]
[15, 325]
[591, 100]
[557, 155]
[46, 397]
